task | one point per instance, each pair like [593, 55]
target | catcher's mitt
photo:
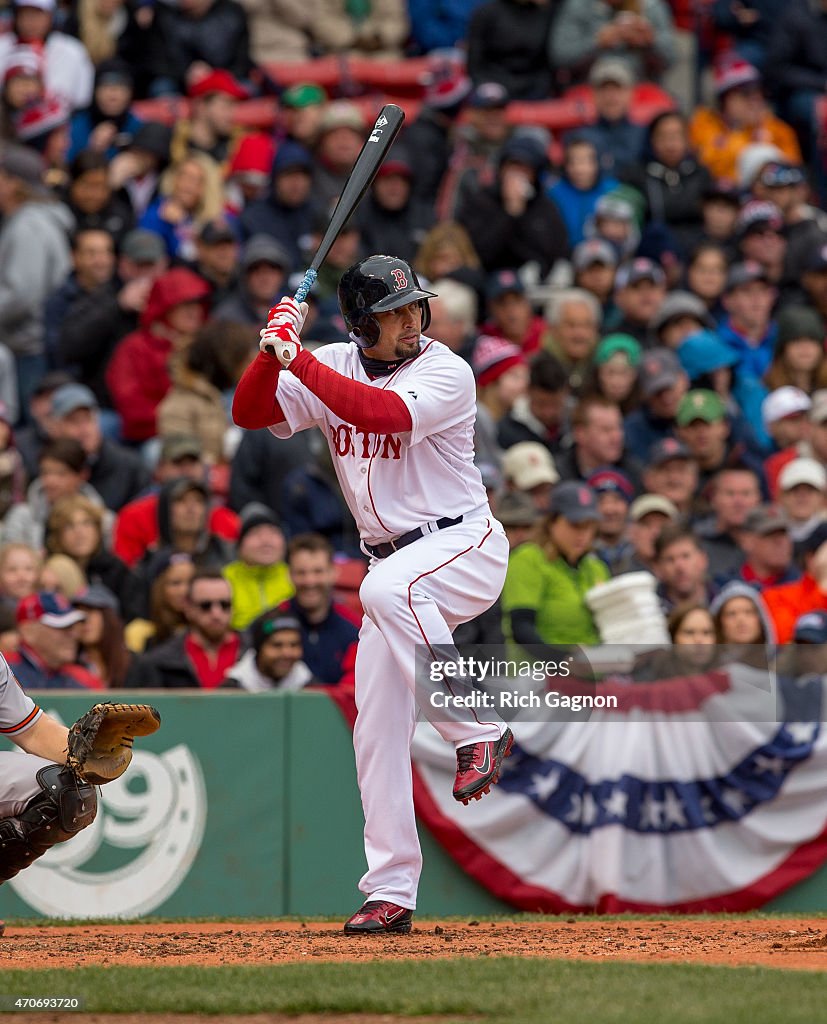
[100, 742]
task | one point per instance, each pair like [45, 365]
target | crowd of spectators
[642, 302]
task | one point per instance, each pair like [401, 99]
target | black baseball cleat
[478, 767]
[379, 917]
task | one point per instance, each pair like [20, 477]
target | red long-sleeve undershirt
[255, 404]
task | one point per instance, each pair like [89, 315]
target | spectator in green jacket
[259, 576]
[543, 598]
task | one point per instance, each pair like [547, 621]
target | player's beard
[406, 349]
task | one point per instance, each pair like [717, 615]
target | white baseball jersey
[395, 482]
[18, 712]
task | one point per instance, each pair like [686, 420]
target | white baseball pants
[416, 596]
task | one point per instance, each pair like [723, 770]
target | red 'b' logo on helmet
[399, 278]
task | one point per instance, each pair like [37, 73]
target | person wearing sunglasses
[202, 655]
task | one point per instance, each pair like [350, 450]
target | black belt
[388, 548]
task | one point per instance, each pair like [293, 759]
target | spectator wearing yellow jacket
[259, 576]
[743, 119]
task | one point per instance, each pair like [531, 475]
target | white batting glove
[282, 341]
[288, 311]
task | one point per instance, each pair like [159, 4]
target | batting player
[397, 410]
[42, 802]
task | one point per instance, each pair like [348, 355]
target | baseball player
[47, 795]
[397, 410]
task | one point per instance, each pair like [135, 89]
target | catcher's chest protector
[63, 808]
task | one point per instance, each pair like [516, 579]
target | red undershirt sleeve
[255, 404]
[367, 408]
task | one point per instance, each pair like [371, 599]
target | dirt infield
[793, 942]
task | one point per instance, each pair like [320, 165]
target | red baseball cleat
[478, 767]
[378, 917]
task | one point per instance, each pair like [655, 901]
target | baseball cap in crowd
[49, 608]
[218, 81]
[70, 397]
[253, 159]
[303, 94]
[528, 464]
[679, 304]
[114, 71]
[744, 273]
[635, 271]
[183, 485]
[648, 503]
[43, 5]
[796, 322]
[175, 447]
[254, 514]
[446, 88]
[488, 96]
[781, 175]
[811, 628]
[757, 215]
[515, 508]
[24, 164]
[660, 369]
[23, 61]
[667, 449]
[700, 404]
[803, 471]
[153, 137]
[216, 231]
[143, 246]
[35, 123]
[396, 164]
[96, 595]
[504, 282]
[766, 520]
[614, 207]
[574, 501]
[272, 621]
[783, 402]
[611, 69]
[342, 114]
[493, 357]
[734, 73]
[591, 251]
[818, 410]
[264, 249]
[525, 149]
[703, 352]
[752, 159]
[614, 343]
[608, 480]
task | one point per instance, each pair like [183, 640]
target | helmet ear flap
[425, 306]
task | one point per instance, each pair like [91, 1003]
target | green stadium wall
[241, 805]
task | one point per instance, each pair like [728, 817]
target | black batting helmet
[378, 285]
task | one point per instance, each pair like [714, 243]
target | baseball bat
[374, 150]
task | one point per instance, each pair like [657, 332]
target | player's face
[399, 332]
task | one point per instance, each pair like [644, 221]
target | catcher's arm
[46, 738]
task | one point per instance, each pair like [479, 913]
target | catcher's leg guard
[63, 808]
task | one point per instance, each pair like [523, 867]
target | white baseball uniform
[18, 713]
[395, 483]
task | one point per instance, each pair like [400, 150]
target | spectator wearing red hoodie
[136, 528]
[138, 375]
